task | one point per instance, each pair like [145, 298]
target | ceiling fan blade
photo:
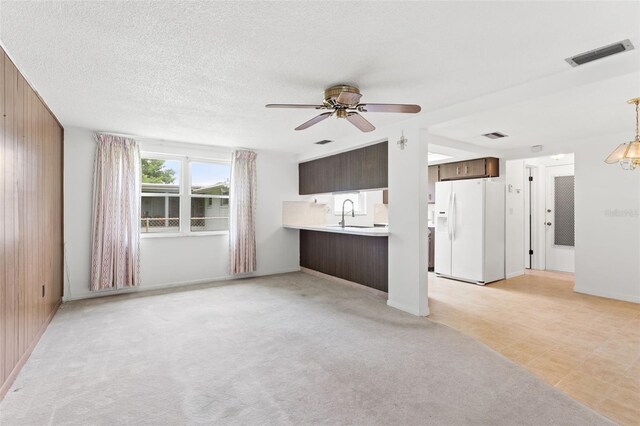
[404, 108]
[295, 106]
[348, 98]
[360, 122]
[314, 120]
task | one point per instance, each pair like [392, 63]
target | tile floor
[586, 346]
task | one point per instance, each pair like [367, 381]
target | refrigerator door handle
[452, 213]
[449, 215]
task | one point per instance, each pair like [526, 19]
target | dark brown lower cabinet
[432, 248]
[361, 259]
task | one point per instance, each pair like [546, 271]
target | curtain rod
[173, 142]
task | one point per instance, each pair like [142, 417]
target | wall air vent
[323, 142]
[599, 53]
[495, 135]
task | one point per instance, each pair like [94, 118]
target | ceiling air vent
[494, 135]
[599, 53]
[323, 142]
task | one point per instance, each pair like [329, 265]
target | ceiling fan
[343, 101]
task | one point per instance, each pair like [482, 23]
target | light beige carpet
[291, 349]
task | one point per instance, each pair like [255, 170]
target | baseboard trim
[608, 295]
[374, 291]
[343, 281]
[409, 309]
[514, 274]
[25, 356]
[152, 287]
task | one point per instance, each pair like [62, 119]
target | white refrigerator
[470, 230]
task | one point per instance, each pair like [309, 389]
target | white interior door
[560, 219]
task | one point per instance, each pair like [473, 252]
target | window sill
[182, 234]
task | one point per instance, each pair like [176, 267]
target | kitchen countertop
[378, 231]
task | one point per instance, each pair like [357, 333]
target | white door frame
[528, 217]
[535, 204]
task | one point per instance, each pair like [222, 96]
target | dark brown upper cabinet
[470, 169]
[450, 171]
[359, 169]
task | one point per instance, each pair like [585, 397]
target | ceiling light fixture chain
[628, 154]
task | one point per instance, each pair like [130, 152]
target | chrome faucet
[353, 211]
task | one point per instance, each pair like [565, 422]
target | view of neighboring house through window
[160, 207]
[197, 203]
[210, 196]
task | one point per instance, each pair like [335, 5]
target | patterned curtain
[115, 243]
[242, 212]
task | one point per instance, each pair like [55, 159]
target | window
[359, 203]
[180, 196]
[160, 206]
[209, 196]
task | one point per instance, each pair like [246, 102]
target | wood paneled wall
[31, 247]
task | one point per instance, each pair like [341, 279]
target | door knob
[548, 223]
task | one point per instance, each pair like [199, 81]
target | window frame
[190, 195]
[184, 194]
[362, 203]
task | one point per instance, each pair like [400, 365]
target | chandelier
[628, 154]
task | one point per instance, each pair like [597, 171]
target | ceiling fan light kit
[343, 101]
[628, 154]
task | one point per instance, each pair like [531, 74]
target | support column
[408, 217]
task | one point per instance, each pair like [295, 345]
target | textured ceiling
[593, 109]
[202, 71]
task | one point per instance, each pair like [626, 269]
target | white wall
[607, 210]
[408, 222]
[168, 261]
[607, 222]
[514, 218]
